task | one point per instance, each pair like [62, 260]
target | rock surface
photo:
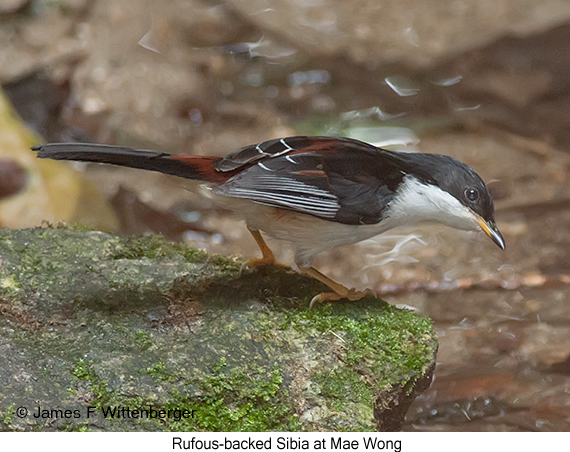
[93, 320]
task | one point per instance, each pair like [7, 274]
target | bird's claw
[351, 295]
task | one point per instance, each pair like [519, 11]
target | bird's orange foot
[261, 262]
[268, 257]
[349, 294]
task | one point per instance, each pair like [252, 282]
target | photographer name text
[108, 412]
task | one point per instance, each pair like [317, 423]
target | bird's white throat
[416, 201]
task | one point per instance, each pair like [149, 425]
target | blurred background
[486, 81]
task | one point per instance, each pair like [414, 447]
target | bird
[318, 192]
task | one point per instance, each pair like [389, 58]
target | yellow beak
[490, 228]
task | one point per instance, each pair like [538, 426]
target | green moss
[143, 339]
[225, 400]
[100, 268]
[100, 395]
[71, 427]
[6, 418]
[156, 246]
[68, 227]
[84, 372]
[344, 385]
[153, 247]
[236, 401]
[38, 259]
[159, 373]
[377, 334]
[9, 285]
[380, 345]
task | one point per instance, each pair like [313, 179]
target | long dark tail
[190, 167]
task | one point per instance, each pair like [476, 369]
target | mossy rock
[90, 322]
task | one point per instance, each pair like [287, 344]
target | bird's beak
[491, 229]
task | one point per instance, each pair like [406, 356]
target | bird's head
[443, 189]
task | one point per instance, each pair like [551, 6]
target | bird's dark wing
[335, 179]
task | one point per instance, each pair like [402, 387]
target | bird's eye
[471, 194]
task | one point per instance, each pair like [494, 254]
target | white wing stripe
[284, 143]
[283, 183]
[261, 151]
[261, 165]
[305, 190]
[276, 196]
[284, 151]
[306, 205]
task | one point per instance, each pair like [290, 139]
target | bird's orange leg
[267, 255]
[340, 291]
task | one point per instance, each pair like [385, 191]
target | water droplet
[402, 86]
